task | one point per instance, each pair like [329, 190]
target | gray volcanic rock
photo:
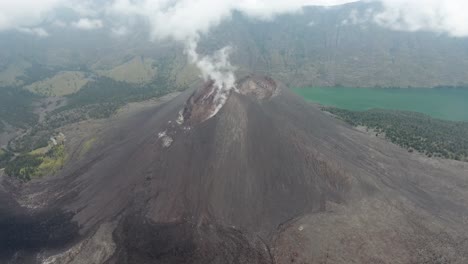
[268, 179]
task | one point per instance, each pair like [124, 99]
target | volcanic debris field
[261, 177]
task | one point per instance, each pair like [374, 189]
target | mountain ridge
[315, 48]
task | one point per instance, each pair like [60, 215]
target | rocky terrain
[268, 178]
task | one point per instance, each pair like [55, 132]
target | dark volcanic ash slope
[268, 179]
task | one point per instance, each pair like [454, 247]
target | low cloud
[88, 24]
[359, 17]
[39, 32]
[27, 16]
[59, 23]
[24, 13]
[215, 67]
[189, 19]
[119, 31]
[182, 19]
[441, 16]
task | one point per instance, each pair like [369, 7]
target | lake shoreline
[446, 103]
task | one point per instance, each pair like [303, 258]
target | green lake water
[443, 103]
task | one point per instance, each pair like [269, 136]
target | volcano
[252, 175]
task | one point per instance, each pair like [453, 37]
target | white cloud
[88, 24]
[24, 13]
[180, 19]
[356, 17]
[59, 23]
[39, 32]
[442, 16]
[119, 31]
[188, 19]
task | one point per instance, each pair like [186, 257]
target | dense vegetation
[16, 108]
[23, 167]
[449, 103]
[104, 90]
[5, 157]
[414, 131]
[99, 98]
[34, 138]
[37, 72]
[27, 166]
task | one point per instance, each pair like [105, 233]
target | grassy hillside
[63, 83]
[16, 108]
[136, 70]
[12, 73]
[99, 98]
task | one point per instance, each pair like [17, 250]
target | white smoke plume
[215, 67]
[187, 20]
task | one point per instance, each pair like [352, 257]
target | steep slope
[267, 179]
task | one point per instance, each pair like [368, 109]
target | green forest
[27, 166]
[5, 157]
[100, 98]
[16, 108]
[414, 131]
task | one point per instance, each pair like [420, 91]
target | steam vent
[252, 174]
[205, 102]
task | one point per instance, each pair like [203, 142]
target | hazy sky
[187, 19]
